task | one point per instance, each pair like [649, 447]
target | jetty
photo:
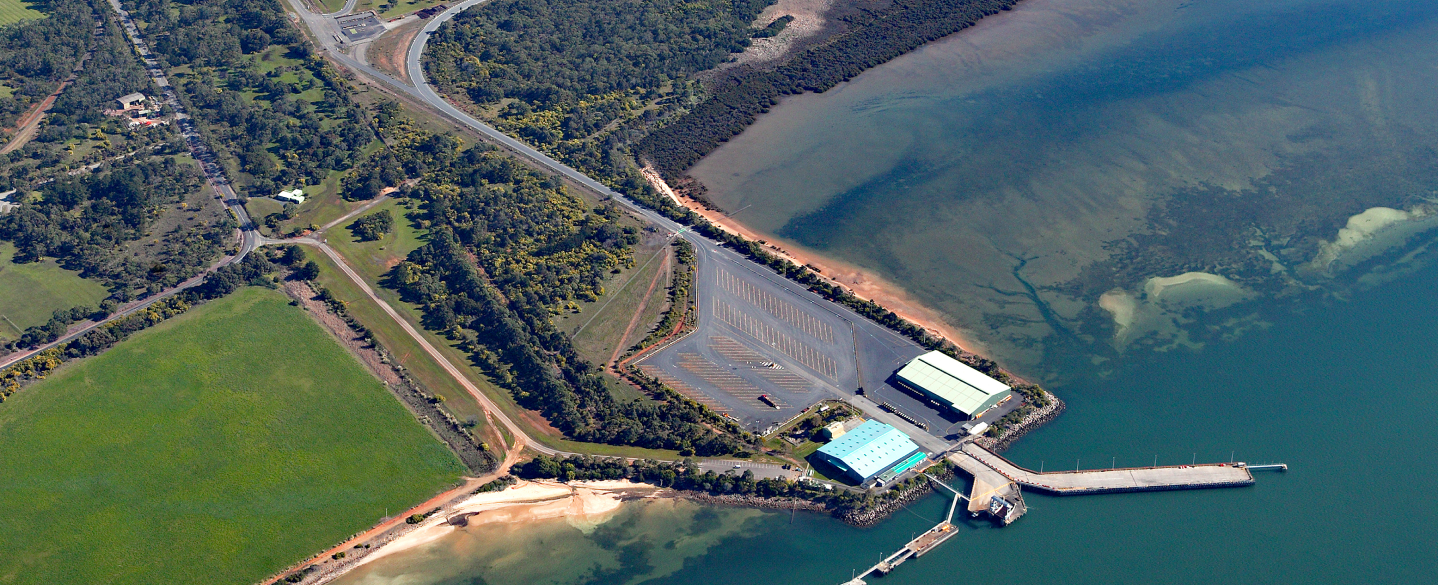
[921, 544]
[975, 459]
[998, 491]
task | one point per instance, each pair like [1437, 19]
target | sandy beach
[584, 504]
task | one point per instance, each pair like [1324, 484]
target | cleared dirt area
[388, 52]
[619, 319]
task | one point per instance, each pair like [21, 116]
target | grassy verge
[597, 327]
[30, 293]
[388, 9]
[374, 258]
[391, 336]
[218, 447]
[413, 357]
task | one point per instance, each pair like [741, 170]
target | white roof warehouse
[953, 384]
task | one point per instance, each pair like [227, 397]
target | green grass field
[30, 293]
[388, 9]
[429, 373]
[218, 447]
[374, 259]
[13, 11]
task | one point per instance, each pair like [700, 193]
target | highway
[887, 345]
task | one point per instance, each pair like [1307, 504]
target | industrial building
[952, 384]
[134, 100]
[869, 450]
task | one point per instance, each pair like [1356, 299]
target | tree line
[508, 248]
[254, 270]
[36, 55]
[29, 54]
[548, 52]
[281, 124]
[871, 39]
[91, 223]
[686, 475]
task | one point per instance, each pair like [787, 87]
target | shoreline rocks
[753, 501]
[1033, 421]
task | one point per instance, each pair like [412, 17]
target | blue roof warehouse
[870, 450]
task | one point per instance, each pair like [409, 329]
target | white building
[295, 196]
[953, 384]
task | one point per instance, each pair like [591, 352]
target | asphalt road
[214, 174]
[760, 470]
[878, 352]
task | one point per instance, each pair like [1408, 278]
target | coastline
[1033, 421]
[580, 502]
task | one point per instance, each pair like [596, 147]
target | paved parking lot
[762, 335]
[357, 27]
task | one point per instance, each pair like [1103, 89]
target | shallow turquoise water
[1343, 392]
[1009, 175]
[1020, 152]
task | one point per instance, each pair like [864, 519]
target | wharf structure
[976, 459]
[998, 484]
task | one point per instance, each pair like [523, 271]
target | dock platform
[974, 459]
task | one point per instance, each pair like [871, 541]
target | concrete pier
[919, 545]
[997, 492]
[973, 458]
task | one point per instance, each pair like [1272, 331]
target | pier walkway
[984, 465]
[919, 545]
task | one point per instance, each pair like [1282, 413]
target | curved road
[706, 250]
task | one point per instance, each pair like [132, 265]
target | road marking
[773, 305]
[816, 361]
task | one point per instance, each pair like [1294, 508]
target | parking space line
[779, 308]
[787, 345]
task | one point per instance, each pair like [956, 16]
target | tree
[309, 271]
[373, 226]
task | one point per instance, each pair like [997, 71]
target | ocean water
[1011, 176]
[1342, 391]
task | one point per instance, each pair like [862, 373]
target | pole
[1195, 459]
[1041, 466]
[1111, 465]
